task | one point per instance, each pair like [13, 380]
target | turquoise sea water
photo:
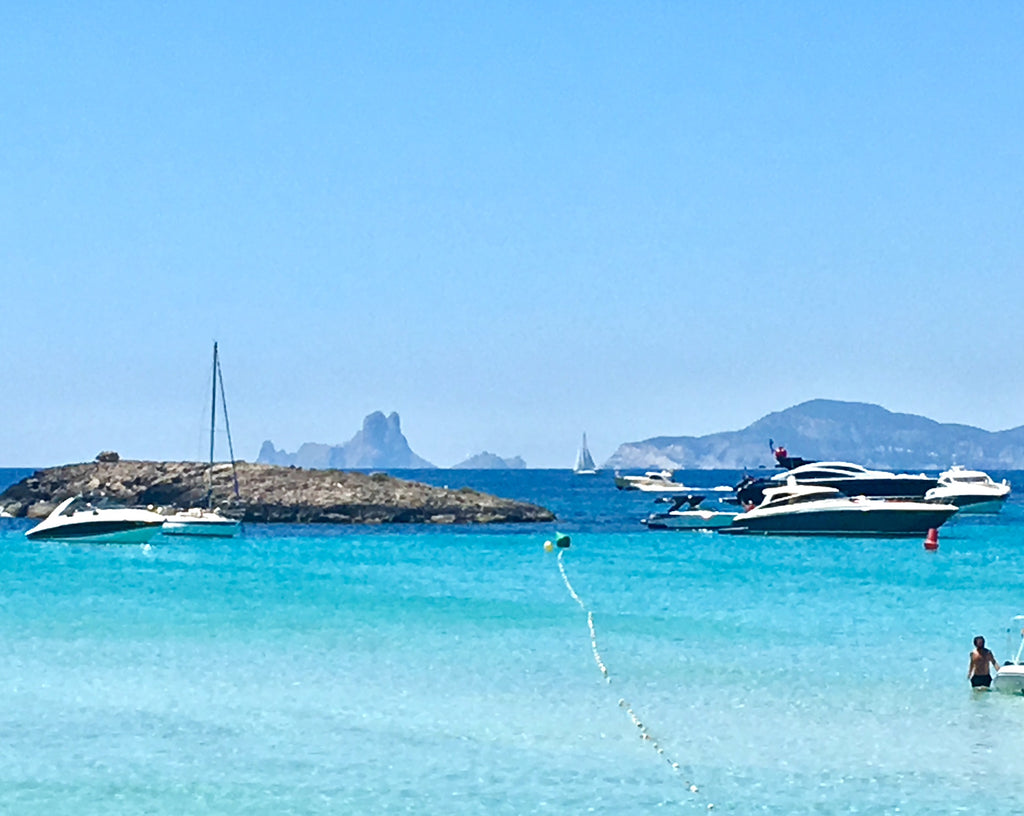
[305, 669]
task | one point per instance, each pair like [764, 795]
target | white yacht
[795, 509]
[77, 519]
[653, 481]
[199, 522]
[687, 514]
[973, 491]
[1010, 677]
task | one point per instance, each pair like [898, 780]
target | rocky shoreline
[269, 493]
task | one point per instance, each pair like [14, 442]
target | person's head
[979, 642]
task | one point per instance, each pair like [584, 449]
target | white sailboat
[584, 461]
[206, 521]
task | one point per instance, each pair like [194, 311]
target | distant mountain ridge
[380, 444]
[830, 429]
[490, 461]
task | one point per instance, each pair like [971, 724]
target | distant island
[380, 444]
[490, 461]
[269, 493]
[830, 429]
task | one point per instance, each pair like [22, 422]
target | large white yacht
[796, 509]
[846, 477]
[973, 491]
[77, 519]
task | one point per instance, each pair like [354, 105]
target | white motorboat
[795, 509]
[973, 491]
[585, 465]
[199, 522]
[846, 477]
[1010, 677]
[205, 521]
[77, 519]
[687, 514]
[653, 481]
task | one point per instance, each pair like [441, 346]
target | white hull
[73, 520]
[1009, 680]
[200, 523]
[659, 487]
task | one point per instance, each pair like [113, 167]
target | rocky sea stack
[269, 493]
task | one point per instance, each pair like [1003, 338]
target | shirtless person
[981, 659]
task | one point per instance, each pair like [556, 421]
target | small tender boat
[795, 509]
[199, 522]
[585, 465]
[686, 514]
[77, 519]
[1010, 677]
[973, 491]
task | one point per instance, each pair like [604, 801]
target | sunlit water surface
[308, 669]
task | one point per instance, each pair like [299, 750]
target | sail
[584, 461]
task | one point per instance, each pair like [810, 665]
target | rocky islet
[268, 493]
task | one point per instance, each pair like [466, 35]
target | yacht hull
[211, 529]
[975, 504]
[873, 519]
[100, 532]
[689, 520]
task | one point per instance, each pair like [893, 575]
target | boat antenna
[227, 427]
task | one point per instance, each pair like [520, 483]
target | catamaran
[206, 521]
[584, 461]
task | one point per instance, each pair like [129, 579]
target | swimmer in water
[981, 659]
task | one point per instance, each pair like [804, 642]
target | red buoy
[931, 541]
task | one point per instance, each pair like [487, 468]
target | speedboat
[77, 519]
[686, 514]
[796, 509]
[653, 481]
[199, 522]
[1010, 676]
[846, 477]
[973, 491]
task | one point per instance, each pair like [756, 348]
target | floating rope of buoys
[563, 542]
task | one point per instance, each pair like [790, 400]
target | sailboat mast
[227, 427]
[213, 423]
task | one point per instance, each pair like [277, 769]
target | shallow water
[306, 669]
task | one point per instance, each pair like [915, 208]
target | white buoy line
[645, 734]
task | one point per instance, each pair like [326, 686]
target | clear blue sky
[508, 222]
